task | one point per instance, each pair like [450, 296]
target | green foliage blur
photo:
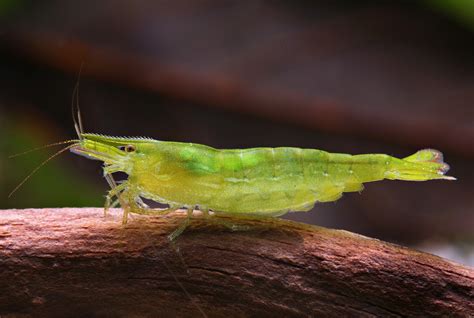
[6, 6]
[56, 184]
[461, 10]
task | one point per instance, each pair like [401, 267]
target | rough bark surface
[75, 262]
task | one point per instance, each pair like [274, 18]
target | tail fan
[426, 164]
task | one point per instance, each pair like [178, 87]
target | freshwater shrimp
[248, 182]
[240, 182]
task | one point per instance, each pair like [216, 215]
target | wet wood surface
[75, 262]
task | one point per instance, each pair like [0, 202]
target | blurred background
[344, 76]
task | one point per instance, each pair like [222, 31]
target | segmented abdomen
[263, 180]
[271, 180]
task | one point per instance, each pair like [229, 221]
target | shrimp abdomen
[268, 181]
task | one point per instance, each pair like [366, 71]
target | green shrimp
[248, 182]
[253, 182]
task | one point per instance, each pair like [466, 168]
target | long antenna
[38, 167]
[43, 147]
[77, 126]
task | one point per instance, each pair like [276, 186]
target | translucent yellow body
[261, 181]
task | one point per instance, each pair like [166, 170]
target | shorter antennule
[75, 98]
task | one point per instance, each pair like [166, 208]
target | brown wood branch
[63, 262]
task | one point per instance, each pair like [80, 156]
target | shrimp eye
[128, 148]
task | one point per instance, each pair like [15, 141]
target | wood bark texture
[74, 262]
